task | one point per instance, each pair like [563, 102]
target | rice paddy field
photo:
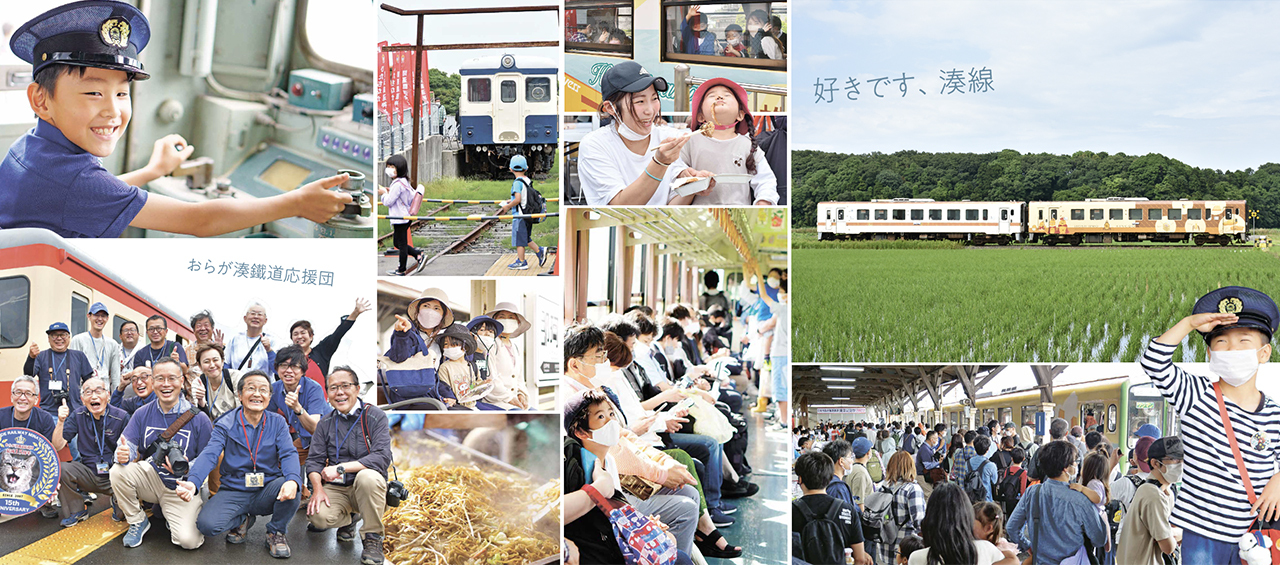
[1013, 304]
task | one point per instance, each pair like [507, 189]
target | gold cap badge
[115, 32]
[1231, 305]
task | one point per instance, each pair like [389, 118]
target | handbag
[641, 540]
[1259, 526]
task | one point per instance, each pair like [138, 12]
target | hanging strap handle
[1235, 447]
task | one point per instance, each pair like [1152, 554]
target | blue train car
[518, 119]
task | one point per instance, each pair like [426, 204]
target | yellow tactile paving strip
[69, 545]
[499, 268]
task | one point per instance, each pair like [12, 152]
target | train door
[1147, 406]
[507, 123]
[1005, 219]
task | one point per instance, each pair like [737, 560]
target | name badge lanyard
[102, 440]
[98, 352]
[337, 454]
[253, 453]
[153, 355]
[290, 416]
[56, 370]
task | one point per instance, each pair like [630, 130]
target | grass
[1007, 304]
[545, 233]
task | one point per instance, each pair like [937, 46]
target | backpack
[1030, 462]
[536, 203]
[821, 539]
[415, 207]
[973, 483]
[878, 523]
[1009, 491]
[909, 444]
[1116, 509]
[873, 467]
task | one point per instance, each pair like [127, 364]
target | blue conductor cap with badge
[93, 33]
[1254, 309]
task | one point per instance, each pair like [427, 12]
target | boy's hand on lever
[317, 203]
[169, 152]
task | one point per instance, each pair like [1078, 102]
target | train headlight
[538, 93]
[508, 61]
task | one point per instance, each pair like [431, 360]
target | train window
[1077, 213]
[1041, 215]
[15, 310]
[935, 215]
[336, 39]
[988, 414]
[984, 214]
[1175, 213]
[864, 214]
[1004, 215]
[1117, 214]
[595, 27]
[752, 35]
[1227, 213]
[1154, 213]
[1005, 415]
[882, 214]
[1135, 213]
[537, 89]
[508, 90]
[917, 215]
[478, 90]
[1029, 414]
[971, 215]
[1095, 213]
[79, 311]
[1193, 214]
[1053, 214]
[828, 213]
[953, 215]
[840, 214]
[116, 322]
[899, 214]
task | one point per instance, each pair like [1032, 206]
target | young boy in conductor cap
[1229, 428]
[83, 56]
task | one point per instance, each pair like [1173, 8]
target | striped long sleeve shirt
[1212, 501]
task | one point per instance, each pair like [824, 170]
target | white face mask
[1173, 472]
[429, 318]
[607, 435]
[603, 374]
[735, 42]
[509, 325]
[626, 132]
[1235, 367]
[391, 172]
[773, 282]
[453, 353]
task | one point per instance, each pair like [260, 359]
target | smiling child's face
[91, 110]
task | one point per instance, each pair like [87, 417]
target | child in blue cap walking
[521, 228]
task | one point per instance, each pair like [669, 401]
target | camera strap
[250, 353]
[182, 420]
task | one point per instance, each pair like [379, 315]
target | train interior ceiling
[272, 95]
[656, 257]
[1117, 396]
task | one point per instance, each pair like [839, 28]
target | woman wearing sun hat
[414, 356]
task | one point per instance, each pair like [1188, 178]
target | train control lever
[199, 173]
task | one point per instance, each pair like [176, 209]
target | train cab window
[1077, 213]
[1053, 214]
[537, 89]
[882, 214]
[953, 215]
[1041, 215]
[840, 215]
[79, 312]
[1095, 213]
[592, 26]
[828, 213]
[335, 39]
[864, 214]
[751, 35]
[1135, 213]
[508, 90]
[971, 215]
[1004, 215]
[1227, 213]
[917, 215]
[1154, 213]
[1193, 214]
[15, 310]
[1175, 213]
[935, 215]
[899, 214]
[1116, 214]
[478, 90]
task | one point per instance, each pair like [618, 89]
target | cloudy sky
[1195, 81]
[487, 28]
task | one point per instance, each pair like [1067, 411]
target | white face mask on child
[453, 353]
[1235, 367]
[391, 172]
[607, 435]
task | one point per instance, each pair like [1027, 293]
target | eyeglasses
[345, 387]
[263, 390]
[25, 394]
[151, 330]
[599, 357]
[167, 379]
[289, 367]
[94, 391]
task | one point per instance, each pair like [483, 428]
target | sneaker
[728, 507]
[519, 265]
[238, 533]
[133, 537]
[719, 519]
[278, 545]
[76, 518]
[418, 268]
[50, 510]
[372, 554]
[542, 256]
[395, 273]
[743, 489]
[348, 532]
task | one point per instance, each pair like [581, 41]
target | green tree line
[446, 87]
[819, 176]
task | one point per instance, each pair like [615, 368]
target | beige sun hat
[511, 307]
[431, 294]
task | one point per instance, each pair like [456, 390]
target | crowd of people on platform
[210, 435]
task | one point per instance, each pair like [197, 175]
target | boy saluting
[1229, 428]
[84, 55]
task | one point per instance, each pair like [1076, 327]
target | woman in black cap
[632, 161]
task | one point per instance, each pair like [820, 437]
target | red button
[296, 89]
